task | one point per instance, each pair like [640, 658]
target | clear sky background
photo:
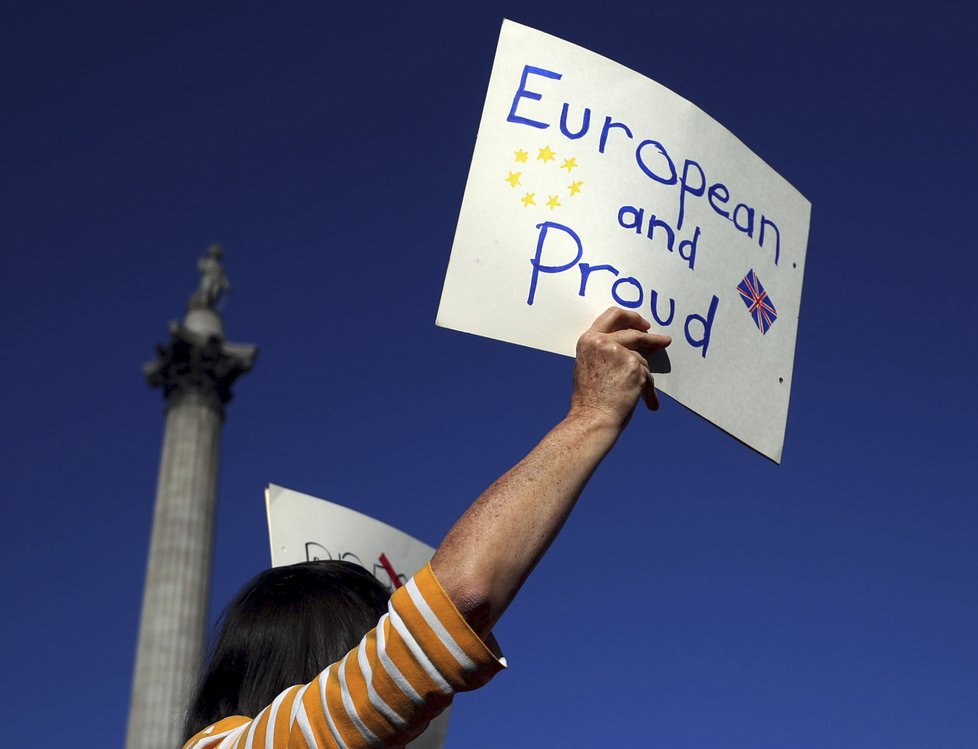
[700, 595]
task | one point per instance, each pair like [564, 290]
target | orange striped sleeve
[383, 692]
[258, 731]
[213, 735]
[457, 652]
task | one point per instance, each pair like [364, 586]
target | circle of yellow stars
[546, 155]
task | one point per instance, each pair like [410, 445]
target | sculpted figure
[214, 286]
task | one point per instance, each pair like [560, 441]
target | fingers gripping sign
[611, 370]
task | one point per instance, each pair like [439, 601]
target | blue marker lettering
[624, 302]
[777, 237]
[697, 191]
[707, 322]
[670, 234]
[522, 93]
[719, 194]
[536, 261]
[584, 125]
[654, 308]
[747, 228]
[608, 125]
[671, 180]
[687, 248]
[637, 215]
[586, 270]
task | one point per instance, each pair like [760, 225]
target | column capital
[194, 364]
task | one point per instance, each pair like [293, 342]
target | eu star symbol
[569, 164]
[575, 187]
[546, 154]
[521, 156]
[528, 199]
[553, 203]
[514, 178]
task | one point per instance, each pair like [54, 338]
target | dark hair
[283, 628]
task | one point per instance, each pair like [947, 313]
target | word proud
[626, 291]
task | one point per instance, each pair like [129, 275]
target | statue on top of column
[214, 286]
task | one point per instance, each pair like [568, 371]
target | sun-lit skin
[490, 551]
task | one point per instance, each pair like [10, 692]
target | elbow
[476, 607]
[471, 594]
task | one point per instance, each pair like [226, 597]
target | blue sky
[700, 596]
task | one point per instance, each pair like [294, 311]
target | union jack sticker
[758, 303]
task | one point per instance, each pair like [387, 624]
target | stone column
[195, 370]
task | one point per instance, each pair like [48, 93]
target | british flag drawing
[758, 303]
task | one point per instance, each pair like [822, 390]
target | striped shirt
[383, 693]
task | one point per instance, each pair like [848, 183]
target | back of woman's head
[283, 628]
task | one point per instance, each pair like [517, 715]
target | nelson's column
[195, 369]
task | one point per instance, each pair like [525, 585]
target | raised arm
[406, 670]
[490, 551]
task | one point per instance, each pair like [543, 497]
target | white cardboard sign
[303, 528]
[592, 186]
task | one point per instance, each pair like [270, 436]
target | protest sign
[591, 186]
[303, 528]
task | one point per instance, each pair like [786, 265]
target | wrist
[595, 420]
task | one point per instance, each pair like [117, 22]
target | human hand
[611, 370]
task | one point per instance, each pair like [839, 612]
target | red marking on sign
[395, 580]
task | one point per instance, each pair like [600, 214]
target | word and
[630, 217]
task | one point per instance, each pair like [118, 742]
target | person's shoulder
[214, 734]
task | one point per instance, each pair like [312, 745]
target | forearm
[494, 546]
